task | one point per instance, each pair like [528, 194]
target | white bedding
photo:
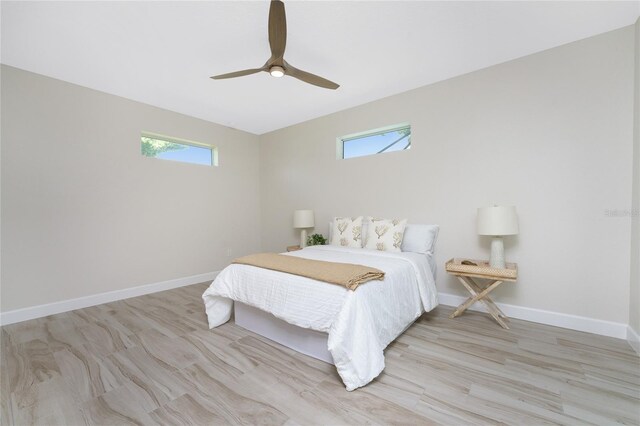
[360, 323]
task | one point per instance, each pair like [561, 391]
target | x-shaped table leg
[481, 294]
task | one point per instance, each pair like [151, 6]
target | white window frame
[212, 148]
[373, 132]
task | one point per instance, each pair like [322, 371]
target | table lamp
[497, 221]
[303, 219]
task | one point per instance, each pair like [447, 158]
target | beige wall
[83, 212]
[550, 133]
[634, 296]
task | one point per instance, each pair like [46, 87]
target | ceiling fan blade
[307, 77]
[238, 73]
[277, 29]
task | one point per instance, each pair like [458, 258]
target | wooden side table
[479, 293]
[294, 248]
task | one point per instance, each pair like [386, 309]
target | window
[177, 150]
[377, 141]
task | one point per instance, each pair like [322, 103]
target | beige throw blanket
[344, 274]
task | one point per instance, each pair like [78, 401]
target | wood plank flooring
[152, 360]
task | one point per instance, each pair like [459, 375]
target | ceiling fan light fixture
[276, 71]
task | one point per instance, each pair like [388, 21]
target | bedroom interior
[482, 257]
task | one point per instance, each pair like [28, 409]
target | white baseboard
[40, 311]
[573, 322]
[634, 339]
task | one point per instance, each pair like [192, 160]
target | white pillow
[420, 238]
[346, 232]
[385, 234]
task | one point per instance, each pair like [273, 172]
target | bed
[348, 328]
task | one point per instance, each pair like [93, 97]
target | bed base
[309, 342]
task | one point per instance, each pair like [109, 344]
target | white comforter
[360, 323]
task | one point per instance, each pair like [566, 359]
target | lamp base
[497, 253]
[303, 238]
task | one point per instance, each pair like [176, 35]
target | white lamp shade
[497, 220]
[303, 219]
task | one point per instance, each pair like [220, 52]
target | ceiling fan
[276, 65]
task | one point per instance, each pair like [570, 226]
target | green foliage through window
[168, 149]
[153, 147]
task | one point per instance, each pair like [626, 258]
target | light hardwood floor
[152, 360]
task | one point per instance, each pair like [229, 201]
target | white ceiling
[162, 53]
